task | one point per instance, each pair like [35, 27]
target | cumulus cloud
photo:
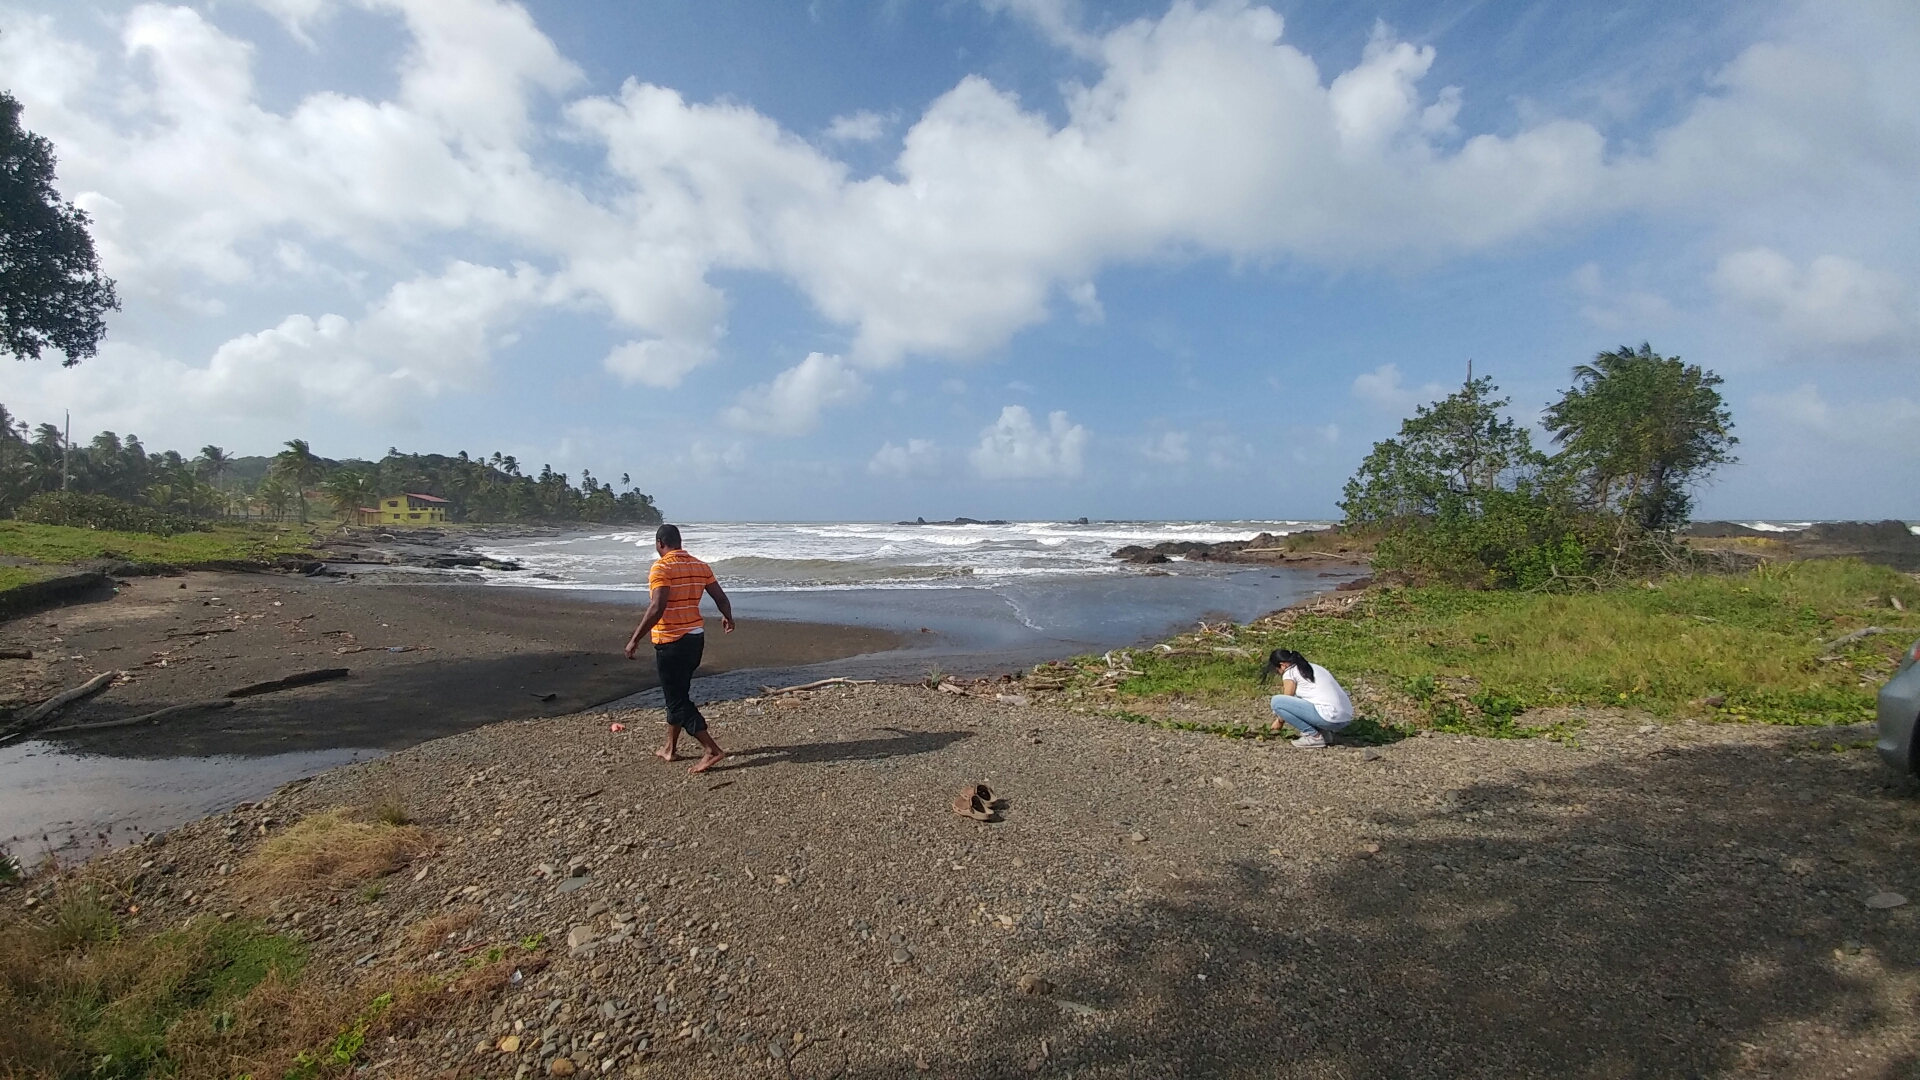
[792, 403]
[1013, 448]
[919, 457]
[1832, 305]
[659, 362]
[1382, 389]
[1199, 132]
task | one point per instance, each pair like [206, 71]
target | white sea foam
[840, 555]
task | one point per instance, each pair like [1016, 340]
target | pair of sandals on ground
[1311, 700]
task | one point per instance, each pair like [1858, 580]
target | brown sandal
[972, 806]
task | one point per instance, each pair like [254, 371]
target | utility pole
[1469, 371]
[66, 453]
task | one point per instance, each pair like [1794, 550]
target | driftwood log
[153, 717]
[769, 691]
[44, 711]
[302, 678]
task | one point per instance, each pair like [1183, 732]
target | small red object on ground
[616, 728]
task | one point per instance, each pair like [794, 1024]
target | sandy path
[1678, 901]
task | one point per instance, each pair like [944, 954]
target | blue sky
[1027, 258]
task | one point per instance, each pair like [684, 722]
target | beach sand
[425, 660]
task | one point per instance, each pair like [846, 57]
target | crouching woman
[1311, 700]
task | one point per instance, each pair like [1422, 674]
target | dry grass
[429, 934]
[331, 850]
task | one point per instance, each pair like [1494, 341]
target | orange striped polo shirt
[685, 578]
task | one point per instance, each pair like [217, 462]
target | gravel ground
[1673, 900]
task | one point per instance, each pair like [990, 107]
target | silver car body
[1900, 712]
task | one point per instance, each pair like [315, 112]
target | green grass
[12, 577]
[84, 998]
[1742, 647]
[57, 544]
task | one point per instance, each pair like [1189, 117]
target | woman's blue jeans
[1300, 715]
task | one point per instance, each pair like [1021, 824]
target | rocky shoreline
[1265, 548]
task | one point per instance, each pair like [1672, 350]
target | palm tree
[213, 463]
[300, 469]
[275, 496]
[348, 490]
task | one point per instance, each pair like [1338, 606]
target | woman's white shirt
[1324, 692]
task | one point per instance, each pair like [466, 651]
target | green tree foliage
[215, 482]
[298, 469]
[1637, 430]
[1457, 450]
[52, 294]
[1461, 495]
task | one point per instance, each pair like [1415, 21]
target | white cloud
[1381, 389]
[1883, 424]
[919, 457]
[863, 126]
[1012, 448]
[791, 404]
[1199, 133]
[1167, 448]
[658, 362]
[1833, 305]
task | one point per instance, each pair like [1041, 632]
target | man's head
[666, 537]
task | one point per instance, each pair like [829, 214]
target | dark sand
[470, 655]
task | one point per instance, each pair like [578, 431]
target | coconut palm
[348, 490]
[299, 469]
[213, 463]
[275, 496]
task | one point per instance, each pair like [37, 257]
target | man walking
[679, 637]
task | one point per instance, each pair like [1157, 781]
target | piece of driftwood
[1858, 635]
[16, 654]
[768, 691]
[153, 717]
[302, 678]
[42, 712]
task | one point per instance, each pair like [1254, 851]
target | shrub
[71, 508]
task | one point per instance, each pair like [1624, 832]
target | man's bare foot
[709, 760]
[665, 754]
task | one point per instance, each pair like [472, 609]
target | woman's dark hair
[1283, 658]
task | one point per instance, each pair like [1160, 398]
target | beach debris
[44, 711]
[616, 727]
[16, 654]
[954, 688]
[770, 691]
[153, 717]
[543, 697]
[971, 805]
[1012, 699]
[1897, 605]
[1033, 985]
[1138, 837]
[302, 678]
[1858, 635]
[1075, 1008]
[1881, 901]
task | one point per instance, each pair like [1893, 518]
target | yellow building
[406, 509]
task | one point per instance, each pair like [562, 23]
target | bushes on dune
[78, 510]
[1462, 496]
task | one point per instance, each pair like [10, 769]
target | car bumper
[1899, 710]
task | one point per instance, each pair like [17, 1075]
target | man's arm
[725, 605]
[656, 607]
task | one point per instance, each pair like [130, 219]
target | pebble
[572, 883]
[901, 956]
[1034, 985]
[510, 1044]
[1138, 838]
[1370, 754]
[561, 1067]
[1884, 900]
[578, 936]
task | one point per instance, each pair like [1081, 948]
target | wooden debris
[769, 691]
[44, 711]
[303, 678]
[153, 717]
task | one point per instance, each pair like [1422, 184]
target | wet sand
[425, 660]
